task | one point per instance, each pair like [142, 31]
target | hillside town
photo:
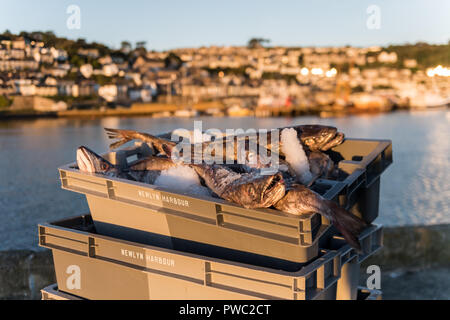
[248, 80]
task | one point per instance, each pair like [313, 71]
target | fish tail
[348, 224]
[124, 136]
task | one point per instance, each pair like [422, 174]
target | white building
[385, 57]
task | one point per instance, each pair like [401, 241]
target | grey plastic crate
[52, 293]
[361, 162]
[371, 242]
[369, 294]
[110, 268]
[148, 214]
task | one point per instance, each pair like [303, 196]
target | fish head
[257, 191]
[320, 163]
[89, 161]
[319, 137]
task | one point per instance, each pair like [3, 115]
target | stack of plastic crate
[144, 242]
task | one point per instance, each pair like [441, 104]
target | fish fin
[167, 150]
[117, 144]
[348, 224]
[117, 134]
[114, 133]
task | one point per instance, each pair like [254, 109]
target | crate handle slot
[110, 189]
[91, 247]
[208, 279]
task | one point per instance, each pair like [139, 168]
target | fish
[321, 165]
[314, 137]
[125, 136]
[300, 200]
[207, 149]
[91, 162]
[145, 176]
[152, 163]
[319, 137]
[250, 190]
[283, 166]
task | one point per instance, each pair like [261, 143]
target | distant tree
[125, 46]
[7, 35]
[257, 42]
[173, 61]
[77, 61]
[36, 36]
[301, 59]
[96, 64]
[141, 44]
[140, 49]
[24, 34]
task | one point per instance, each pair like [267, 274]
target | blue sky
[174, 23]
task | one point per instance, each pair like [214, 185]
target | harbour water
[414, 190]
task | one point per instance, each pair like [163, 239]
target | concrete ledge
[414, 247]
[23, 273]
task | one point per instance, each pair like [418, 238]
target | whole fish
[250, 190]
[89, 161]
[206, 149]
[300, 200]
[314, 137]
[319, 137]
[145, 170]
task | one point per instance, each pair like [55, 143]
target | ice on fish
[295, 155]
[181, 178]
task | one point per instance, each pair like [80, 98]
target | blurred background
[373, 69]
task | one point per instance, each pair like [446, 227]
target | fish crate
[369, 294]
[371, 241]
[149, 214]
[361, 163]
[94, 266]
[51, 292]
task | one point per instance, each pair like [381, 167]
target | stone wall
[23, 273]
[415, 247]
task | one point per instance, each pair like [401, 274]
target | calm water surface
[414, 190]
